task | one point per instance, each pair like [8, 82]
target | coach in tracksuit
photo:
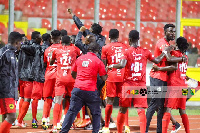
[9, 80]
[85, 72]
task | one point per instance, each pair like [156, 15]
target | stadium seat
[159, 30]
[2, 28]
[106, 34]
[151, 25]
[149, 30]
[160, 25]
[4, 38]
[191, 30]
[29, 32]
[142, 28]
[121, 13]
[157, 36]
[147, 43]
[88, 24]
[61, 13]
[90, 11]
[191, 38]
[102, 11]
[74, 29]
[46, 24]
[119, 26]
[171, 14]
[66, 24]
[18, 5]
[108, 25]
[130, 25]
[59, 25]
[19, 30]
[80, 13]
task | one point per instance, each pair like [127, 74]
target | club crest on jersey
[11, 106]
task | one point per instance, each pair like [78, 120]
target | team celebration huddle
[80, 74]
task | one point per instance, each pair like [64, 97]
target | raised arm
[78, 22]
[79, 43]
[158, 59]
[173, 58]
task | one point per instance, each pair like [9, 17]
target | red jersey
[87, 67]
[113, 53]
[135, 69]
[51, 69]
[159, 48]
[178, 77]
[65, 57]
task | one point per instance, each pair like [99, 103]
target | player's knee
[27, 100]
[11, 117]
[123, 110]
[110, 100]
[182, 111]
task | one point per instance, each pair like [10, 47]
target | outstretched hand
[69, 10]
[170, 48]
[155, 68]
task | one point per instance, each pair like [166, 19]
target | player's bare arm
[169, 68]
[162, 55]
[120, 65]
[104, 77]
[174, 59]
[74, 74]
[104, 62]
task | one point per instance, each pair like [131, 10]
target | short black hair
[182, 44]
[73, 36]
[63, 32]
[66, 39]
[169, 25]
[93, 46]
[46, 37]
[14, 36]
[96, 28]
[34, 34]
[134, 35]
[55, 33]
[113, 34]
[23, 35]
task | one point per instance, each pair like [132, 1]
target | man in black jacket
[37, 72]
[95, 30]
[9, 81]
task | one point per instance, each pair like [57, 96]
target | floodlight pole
[11, 16]
[96, 11]
[178, 17]
[54, 14]
[137, 15]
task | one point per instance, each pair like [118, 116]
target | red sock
[165, 122]
[49, 111]
[120, 122]
[83, 112]
[108, 112]
[24, 110]
[5, 127]
[20, 106]
[126, 118]
[47, 107]
[34, 108]
[78, 115]
[185, 122]
[60, 114]
[66, 106]
[141, 113]
[56, 112]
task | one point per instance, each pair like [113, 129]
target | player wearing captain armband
[134, 61]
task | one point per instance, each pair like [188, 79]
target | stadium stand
[113, 14]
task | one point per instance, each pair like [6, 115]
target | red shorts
[113, 89]
[7, 105]
[37, 90]
[139, 101]
[48, 89]
[175, 103]
[26, 89]
[63, 88]
[21, 88]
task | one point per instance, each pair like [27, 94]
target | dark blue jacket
[8, 72]
[99, 38]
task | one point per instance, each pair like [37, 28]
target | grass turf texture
[132, 112]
